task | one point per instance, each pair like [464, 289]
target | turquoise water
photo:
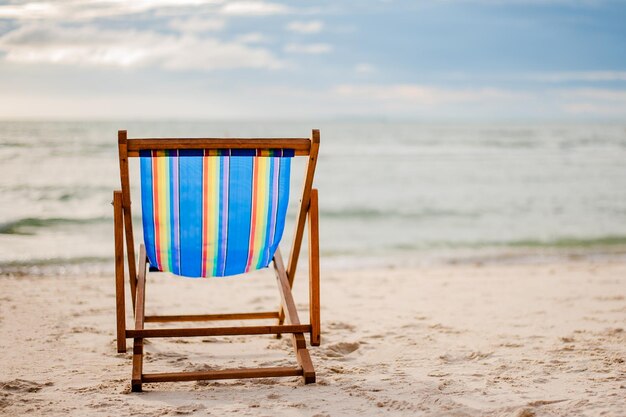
[386, 189]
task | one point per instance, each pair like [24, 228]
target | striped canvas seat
[213, 212]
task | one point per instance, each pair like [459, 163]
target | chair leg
[140, 304]
[119, 272]
[135, 382]
[291, 315]
[304, 358]
[314, 270]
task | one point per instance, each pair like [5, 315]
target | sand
[446, 340]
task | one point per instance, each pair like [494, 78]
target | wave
[570, 242]
[372, 213]
[28, 225]
[600, 242]
[86, 265]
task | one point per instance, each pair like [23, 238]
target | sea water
[387, 189]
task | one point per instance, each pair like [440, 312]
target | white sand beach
[458, 340]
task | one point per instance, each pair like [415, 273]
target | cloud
[608, 95]
[312, 48]
[593, 101]
[314, 26]
[423, 94]
[91, 46]
[577, 76]
[480, 102]
[253, 8]
[364, 68]
[76, 10]
[252, 38]
[197, 24]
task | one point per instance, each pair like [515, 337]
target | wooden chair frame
[286, 315]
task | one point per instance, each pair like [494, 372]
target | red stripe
[253, 219]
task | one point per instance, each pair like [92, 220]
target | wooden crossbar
[260, 315]
[301, 146]
[219, 331]
[223, 374]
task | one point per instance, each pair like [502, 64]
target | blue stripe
[190, 168]
[145, 162]
[239, 212]
[174, 207]
[243, 152]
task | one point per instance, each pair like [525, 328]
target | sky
[468, 60]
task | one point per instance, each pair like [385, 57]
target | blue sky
[464, 60]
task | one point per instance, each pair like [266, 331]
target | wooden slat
[142, 266]
[136, 382]
[301, 146]
[304, 359]
[136, 379]
[128, 223]
[223, 374]
[291, 314]
[285, 289]
[287, 302]
[218, 331]
[304, 206]
[314, 270]
[292, 264]
[140, 308]
[213, 317]
[120, 301]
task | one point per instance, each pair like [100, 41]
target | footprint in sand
[188, 409]
[444, 329]
[341, 349]
[449, 358]
[22, 386]
[16, 387]
[338, 325]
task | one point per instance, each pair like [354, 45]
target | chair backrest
[213, 206]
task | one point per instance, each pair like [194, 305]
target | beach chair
[215, 207]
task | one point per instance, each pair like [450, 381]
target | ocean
[389, 191]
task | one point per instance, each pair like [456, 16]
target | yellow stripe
[210, 215]
[261, 207]
[216, 210]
